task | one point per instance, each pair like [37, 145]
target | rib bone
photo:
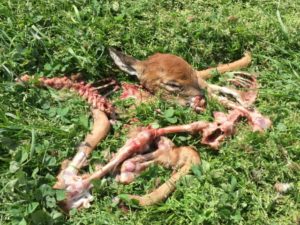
[241, 79]
[240, 100]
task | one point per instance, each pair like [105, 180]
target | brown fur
[172, 75]
[160, 70]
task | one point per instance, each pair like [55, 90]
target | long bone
[212, 134]
[180, 159]
[78, 187]
[99, 131]
[68, 176]
[241, 63]
[78, 190]
[140, 143]
[132, 167]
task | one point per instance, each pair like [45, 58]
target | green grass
[41, 127]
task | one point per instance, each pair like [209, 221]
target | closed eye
[172, 86]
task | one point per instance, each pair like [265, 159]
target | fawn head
[168, 74]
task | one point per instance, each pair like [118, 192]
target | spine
[86, 91]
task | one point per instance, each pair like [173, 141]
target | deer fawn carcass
[177, 80]
[172, 75]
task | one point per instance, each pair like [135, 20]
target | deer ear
[124, 62]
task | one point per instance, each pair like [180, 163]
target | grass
[40, 127]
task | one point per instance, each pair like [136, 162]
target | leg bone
[181, 160]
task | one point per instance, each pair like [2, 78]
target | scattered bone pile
[133, 157]
[241, 101]
[180, 159]
[68, 177]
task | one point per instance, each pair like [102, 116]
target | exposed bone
[213, 133]
[88, 92]
[106, 83]
[198, 103]
[180, 159]
[115, 88]
[243, 98]
[236, 65]
[142, 139]
[132, 167]
[283, 187]
[255, 118]
[133, 146]
[99, 131]
[137, 145]
[249, 83]
[77, 188]
[222, 127]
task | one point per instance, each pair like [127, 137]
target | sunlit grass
[41, 127]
